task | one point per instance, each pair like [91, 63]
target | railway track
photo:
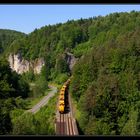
[62, 125]
[70, 126]
[65, 125]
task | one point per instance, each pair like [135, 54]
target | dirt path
[44, 101]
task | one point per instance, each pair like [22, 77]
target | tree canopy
[106, 78]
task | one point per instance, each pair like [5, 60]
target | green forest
[105, 83]
[7, 37]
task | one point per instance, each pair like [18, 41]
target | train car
[64, 87]
[62, 92]
[61, 106]
[62, 97]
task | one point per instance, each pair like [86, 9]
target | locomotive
[62, 97]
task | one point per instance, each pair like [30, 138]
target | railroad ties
[61, 125]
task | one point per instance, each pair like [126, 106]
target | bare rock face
[71, 60]
[20, 65]
[37, 65]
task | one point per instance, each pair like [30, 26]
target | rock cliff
[71, 60]
[20, 65]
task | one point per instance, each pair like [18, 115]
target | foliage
[7, 37]
[11, 86]
[61, 78]
[41, 123]
[105, 81]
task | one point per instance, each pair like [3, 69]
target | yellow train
[62, 94]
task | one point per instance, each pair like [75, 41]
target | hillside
[7, 37]
[106, 76]
[106, 81]
[12, 89]
[106, 88]
[53, 42]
